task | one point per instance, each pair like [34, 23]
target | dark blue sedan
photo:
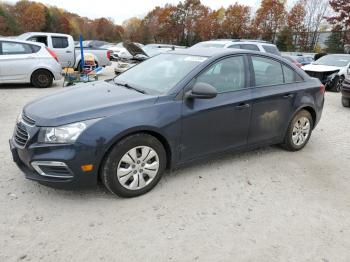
[167, 111]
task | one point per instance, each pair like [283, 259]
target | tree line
[295, 28]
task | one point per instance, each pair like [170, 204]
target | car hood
[85, 101]
[320, 68]
[133, 49]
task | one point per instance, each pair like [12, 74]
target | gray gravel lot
[264, 205]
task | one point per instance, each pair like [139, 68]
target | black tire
[42, 78]
[110, 165]
[345, 102]
[288, 143]
[337, 84]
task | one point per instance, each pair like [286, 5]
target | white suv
[254, 45]
[28, 62]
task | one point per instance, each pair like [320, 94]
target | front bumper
[56, 165]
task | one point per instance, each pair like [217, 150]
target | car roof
[213, 52]
[237, 41]
[16, 40]
[42, 33]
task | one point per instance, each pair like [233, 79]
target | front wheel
[345, 101]
[337, 84]
[299, 131]
[134, 165]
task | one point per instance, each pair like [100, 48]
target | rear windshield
[271, 49]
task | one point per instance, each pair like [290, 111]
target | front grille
[27, 120]
[21, 136]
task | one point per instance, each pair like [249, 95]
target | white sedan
[28, 62]
[330, 69]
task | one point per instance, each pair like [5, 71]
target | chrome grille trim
[36, 165]
[27, 120]
[20, 136]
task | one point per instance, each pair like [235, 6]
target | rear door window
[235, 46]
[11, 48]
[250, 47]
[267, 72]
[59, 42]
[290, 76]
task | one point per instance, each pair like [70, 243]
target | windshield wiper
[130, 87]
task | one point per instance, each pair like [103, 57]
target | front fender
[161, 120]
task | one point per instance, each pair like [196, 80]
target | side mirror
[202, 91]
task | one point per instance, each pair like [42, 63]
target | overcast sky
[121, 10]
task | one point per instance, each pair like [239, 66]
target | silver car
[28, 62]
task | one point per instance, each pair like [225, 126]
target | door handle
[288, 96]
[243, 106]
[68, 52]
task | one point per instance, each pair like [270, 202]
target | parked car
[63, 45]
[119, 51]
[345, 90]
[27, 62]
[292, 59]
[169, 110]
[304, 60]
[330, 69]
[139, 54]
[92, 44]
[254, 45]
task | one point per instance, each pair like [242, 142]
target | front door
[221, 123]
[64, 50]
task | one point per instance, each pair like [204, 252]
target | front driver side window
[226, 75]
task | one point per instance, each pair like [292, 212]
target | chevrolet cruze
[167, 111]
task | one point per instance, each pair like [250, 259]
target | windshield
[208, 45]
[159, 74]
[334, 60]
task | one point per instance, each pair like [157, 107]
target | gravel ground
[264, 205]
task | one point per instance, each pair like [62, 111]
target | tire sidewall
[109, 169]
[37, 83]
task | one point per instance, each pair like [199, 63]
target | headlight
[64, 134]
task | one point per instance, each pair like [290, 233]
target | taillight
[52, 53]
[109, 54]
[323, 89]
[297, 64]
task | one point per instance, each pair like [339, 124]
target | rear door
[213, 125]
[16, 61]
[64, 50]
[273, 98]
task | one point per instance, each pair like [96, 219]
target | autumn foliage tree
[341, 19]
[269, 19]
[237, 19]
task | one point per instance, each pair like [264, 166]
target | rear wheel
[42, 78]
[299, 131]
[134, 165]
[345, 101]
